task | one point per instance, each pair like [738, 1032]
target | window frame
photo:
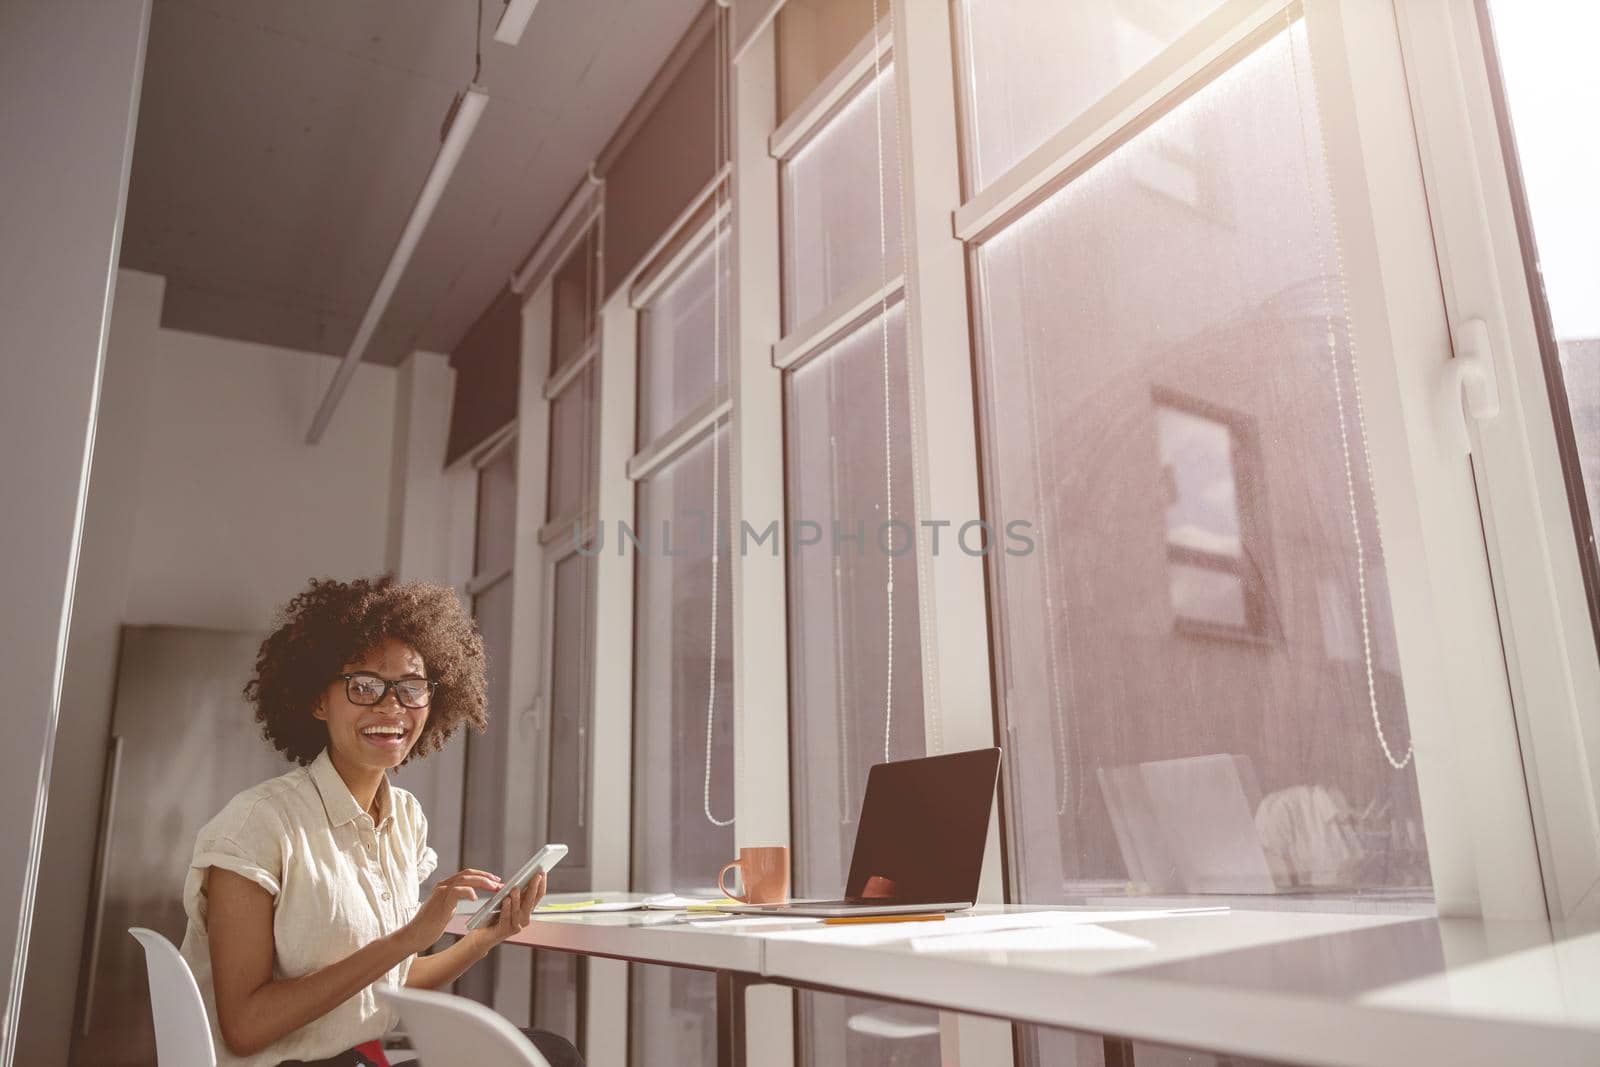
[1482, 860]
[1547, 628]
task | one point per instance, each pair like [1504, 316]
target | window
[841, 551]
[1104, 296]
[567, 622]
[678, 844]
[832, 243]
[491, 588]
[846, 669]
[683, 633]
[855, 662]
[675, 360]
[572, 431]
[1171, 403]
[1032, 69]
[859, 1030]
[576, 292]
[1549, 77]
[570, 676]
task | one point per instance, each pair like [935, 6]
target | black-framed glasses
[367, 689]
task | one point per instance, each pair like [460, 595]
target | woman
[303, 892]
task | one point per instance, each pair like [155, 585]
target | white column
[944, 438]
[611, 755]
[760, 617]
[70, 74]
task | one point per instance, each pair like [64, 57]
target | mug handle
[725, 890]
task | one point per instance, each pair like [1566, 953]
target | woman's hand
[515, 912]
[428, 924]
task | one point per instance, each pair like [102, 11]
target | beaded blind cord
[719, 108]
[883, 331]
[1338, 377]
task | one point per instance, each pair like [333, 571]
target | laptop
[919, 842]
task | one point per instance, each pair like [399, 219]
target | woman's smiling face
[378, 736]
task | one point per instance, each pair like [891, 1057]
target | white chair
[449, 1030]
[183, 1032]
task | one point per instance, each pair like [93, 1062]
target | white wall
[205, 509]
[236, 511]
[428, 542]
[70, 72]
[81, 737]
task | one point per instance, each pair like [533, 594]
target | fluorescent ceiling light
[468, 111]
[514, 20]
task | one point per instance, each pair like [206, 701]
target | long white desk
[1334, 989]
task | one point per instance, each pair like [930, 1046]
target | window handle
[1471, 388]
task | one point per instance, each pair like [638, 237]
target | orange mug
[764, 871]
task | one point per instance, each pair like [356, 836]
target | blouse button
[386, 896]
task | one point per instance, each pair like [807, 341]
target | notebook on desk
[919, 842]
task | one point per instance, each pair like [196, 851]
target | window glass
[570, 676]
[1546, 59]
[1032, 67]
[497, 513]
[675, 342]
[842, 548]
[839, 631]
[575, 292]
[555, 993]
[1055, 1047]
[1197, 665]
[483, 822]
[673, 1015]
[832, 238]
[854, 1030]
[676, 846]
[572, 430]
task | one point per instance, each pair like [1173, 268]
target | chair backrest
[447, 1029]
[183, 1032]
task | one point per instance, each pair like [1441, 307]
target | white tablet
[542, 860]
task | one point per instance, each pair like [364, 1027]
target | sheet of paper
[675, 902]
[1028, 922]
[579, 909]
[1082, 937]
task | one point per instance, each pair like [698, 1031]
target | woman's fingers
[509, 909]
[476, 879]
[535, 894]
[530, 896]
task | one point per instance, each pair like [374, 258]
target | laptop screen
[923, 826]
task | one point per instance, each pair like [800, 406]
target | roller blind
[814, 37]
[663, 156]
[488, 364]
[749, 16]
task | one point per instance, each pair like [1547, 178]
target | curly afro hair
[334, 623]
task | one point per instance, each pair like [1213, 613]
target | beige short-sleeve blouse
[340, 881]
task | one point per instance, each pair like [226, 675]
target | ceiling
[281, 145]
